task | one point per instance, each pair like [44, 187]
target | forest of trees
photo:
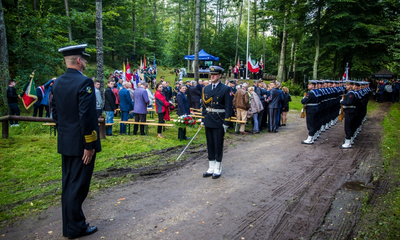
[312, 38]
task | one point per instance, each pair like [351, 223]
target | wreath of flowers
[185, 121]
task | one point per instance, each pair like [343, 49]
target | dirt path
[273, 187]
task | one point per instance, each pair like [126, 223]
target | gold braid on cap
[204, 100]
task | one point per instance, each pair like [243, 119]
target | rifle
[341, 115]
[303, 111]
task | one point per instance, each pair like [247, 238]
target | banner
[128, 74]
[252, 68]
[29, 96]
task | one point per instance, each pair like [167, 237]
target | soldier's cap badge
[88, 89]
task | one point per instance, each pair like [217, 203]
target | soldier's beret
[232, 81]
[74, 50]
[216, 70]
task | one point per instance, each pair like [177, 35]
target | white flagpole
[248, 27]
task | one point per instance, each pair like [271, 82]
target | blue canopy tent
[203, 56]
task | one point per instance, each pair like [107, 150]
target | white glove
[225, 127]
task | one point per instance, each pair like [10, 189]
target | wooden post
[102, 123]
[5, 129]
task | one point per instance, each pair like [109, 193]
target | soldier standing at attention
[349, 108]
[311, 103]
[217, 110]
[74, 112]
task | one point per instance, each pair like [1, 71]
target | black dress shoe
[89, 230]
[206, 174]
[215, 176]
[276, 131]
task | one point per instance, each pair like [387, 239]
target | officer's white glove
[225, 127]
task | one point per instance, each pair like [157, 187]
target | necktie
[213, 86]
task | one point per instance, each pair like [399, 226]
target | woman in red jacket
[161, 105]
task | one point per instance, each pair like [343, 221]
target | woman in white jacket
[255, 108]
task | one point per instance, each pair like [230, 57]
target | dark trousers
[311, 124]
[139, 118]
[235, 75]
[160, 120]
[14, 110]
[122, 126]
[196, 105]
[348, 124]
[36, 109]
[260, 117]
[273, 112]
[380, 96]
[215, 143]
[99, 112]
[76, 178]
[47, 111]
[395, 97]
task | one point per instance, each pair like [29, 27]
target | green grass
[295, 104]
[30, 169]
[382, 221]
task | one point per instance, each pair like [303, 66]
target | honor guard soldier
[233, 90]
[74, 112]
[217, 110]
[311, 103]
[349, 107]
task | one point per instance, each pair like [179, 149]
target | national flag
[28, 95]
[144, 61]
[238, 63]
[344, 76]
[261, 63]
[252, 68]
[128, 73]
[141, 64]
[154, 63]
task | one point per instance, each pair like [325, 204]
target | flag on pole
[238, 63]
[252, 68]
[141, 64]
[128, 73]
[123, 71]
[28, 95]
[144, 61]
[261, 63]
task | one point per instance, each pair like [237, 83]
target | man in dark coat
[12, 99]
[109, 106]
[217, 111]
[74, 112]
[188, 96]
[38, 106]
[350, 109]
[273, 104]
[311, 102]
[195, 95]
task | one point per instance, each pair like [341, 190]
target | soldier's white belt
[349, 106]
[311, 104]
[215, 110]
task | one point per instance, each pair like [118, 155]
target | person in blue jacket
[126, 106]
[46, 100]
[183, 109]
[381, 90]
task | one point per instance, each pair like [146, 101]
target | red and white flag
[237, 64]
[261, 63]
[252, 68]
[128, 73]
[144, 62]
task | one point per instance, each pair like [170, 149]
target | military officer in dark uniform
[74, 112]
[349, 107]
[217, 110]
[311, 104]
[176, 91]
[233, 90]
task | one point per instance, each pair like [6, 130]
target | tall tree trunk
[179, 21]
[255, 19]
[205, 14]
[34, 5]
[4, 71]
[155, 13]
[282, 58]
[237, 35]
[196, 42]
[315, 68]
[134, 25]
[69, 23]
[99, 45]
[294, 64]
[292, 54]
[144, 28]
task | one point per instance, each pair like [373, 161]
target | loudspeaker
[291, 74]
[133, 56]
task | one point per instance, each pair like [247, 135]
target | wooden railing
[5, 123]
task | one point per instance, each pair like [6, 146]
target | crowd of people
[390, 87]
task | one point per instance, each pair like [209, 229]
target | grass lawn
[382, 221]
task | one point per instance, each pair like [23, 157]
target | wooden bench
[52, 126]
[146, 125]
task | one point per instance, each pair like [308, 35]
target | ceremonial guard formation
[217, 110]
[323, 106]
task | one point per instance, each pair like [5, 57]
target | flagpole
[248, 27]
